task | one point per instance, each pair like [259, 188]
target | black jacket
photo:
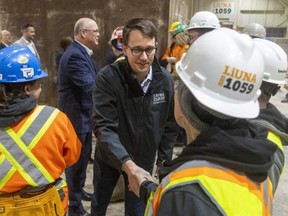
[272, 119]
[235, 144]
[2, 45]
[129, 124]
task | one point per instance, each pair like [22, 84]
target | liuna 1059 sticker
[237, 80]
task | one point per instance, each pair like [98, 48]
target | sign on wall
[223, 8]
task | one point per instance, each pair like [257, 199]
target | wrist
[128, 166]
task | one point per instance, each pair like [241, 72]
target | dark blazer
[2, 46]
[76, 77]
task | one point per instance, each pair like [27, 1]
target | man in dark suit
[6, 39]
[75, 84]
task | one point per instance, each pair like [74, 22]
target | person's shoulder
[111, 72]
[47, 107]
[2, 45]
[73, 50]
[74, 47]
[108, 70]
[166, 73]
[164, 70]
[18, 42]
[59, 114]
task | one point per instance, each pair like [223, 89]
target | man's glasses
[138, 52]
[192, 35]
[94, 31]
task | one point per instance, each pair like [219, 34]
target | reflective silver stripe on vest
[5, 168]
[16, 152]
[196, 164]
[266, 195]
[37, 124]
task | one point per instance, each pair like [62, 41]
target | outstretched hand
[136, 176]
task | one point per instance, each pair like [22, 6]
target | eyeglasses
[192, 35]
[94, 31]
[138, 52]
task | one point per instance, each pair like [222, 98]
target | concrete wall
[54, 19]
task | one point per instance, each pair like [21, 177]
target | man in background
[76, 74]
[6, 39]
[28, 34]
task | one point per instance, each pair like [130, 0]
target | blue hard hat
[19, 64]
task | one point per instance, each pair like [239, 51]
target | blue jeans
[76, 174]
[105, 179]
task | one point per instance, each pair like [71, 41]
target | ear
[82, 33]
[27, 89]
[124, 49]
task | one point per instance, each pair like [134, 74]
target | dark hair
[11, 91]
[65, 42]
[145, 26]
[26, 26]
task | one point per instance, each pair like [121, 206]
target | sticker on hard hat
[22, 60]
[237, 80]
[282, 71]
[27, 72]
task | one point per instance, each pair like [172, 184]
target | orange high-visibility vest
[176, 52]
[27, 149]
[224, 186]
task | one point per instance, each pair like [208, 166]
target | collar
[145, 83]
[26, 41]
[89, 51]
[149, 76]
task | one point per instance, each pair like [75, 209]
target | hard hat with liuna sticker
[19, 64]
[275, 60]
[255, 30]
[173, 25]
[204, 19]
[178, 29]
[224, 71]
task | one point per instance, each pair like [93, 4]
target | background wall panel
[54, 19]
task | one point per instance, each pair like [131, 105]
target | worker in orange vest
[37, 142]
[179, 46]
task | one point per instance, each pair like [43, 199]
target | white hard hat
[116, 34]
[255, 30]
[204, 19]
[224, 70]
[275, 60]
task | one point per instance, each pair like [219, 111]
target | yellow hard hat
[173, 25]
